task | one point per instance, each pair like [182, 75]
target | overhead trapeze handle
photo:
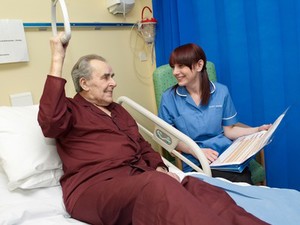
[67, 36]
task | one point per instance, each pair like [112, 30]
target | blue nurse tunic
[203, 124]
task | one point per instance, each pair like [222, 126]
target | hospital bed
[30, 171]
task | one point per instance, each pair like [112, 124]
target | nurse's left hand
[264, 127]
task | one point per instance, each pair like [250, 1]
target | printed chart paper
[13, 46]
[236, 156]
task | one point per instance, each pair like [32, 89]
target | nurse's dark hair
[82, 68]
[189, 55]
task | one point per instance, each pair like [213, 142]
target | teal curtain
[255, 45]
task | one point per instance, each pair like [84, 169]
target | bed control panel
[163, 136]
[165, 139]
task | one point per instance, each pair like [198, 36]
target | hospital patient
[111, 174]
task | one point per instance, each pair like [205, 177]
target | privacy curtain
[255, 45]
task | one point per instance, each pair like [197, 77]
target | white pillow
[28, 158]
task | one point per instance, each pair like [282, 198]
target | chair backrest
[163, 78]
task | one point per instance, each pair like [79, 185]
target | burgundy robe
[109, 169]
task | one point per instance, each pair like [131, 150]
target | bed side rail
[168, 137]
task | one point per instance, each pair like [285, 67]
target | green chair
[163, 79]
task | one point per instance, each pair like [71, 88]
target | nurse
[202, 110]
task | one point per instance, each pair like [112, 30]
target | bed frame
[168, 137]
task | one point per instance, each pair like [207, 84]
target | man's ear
[83, 84]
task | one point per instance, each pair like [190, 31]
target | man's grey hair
[83, 69]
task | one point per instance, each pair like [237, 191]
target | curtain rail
[96, 25]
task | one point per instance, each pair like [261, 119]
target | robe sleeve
[130, 127]
[53, 115]
[151, 157]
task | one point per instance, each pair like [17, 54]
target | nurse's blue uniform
[204, 124]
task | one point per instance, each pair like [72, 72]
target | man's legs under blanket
[156, 198]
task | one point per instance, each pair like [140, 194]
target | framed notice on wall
[13, 46]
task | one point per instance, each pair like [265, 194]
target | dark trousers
[245, 176]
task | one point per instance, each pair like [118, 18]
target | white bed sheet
[32, 207]
[277, 206]
[45, 205]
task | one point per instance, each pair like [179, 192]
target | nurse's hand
[264, 127]
[210, 154]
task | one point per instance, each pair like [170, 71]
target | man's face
[99, 88]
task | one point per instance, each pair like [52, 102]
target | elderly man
[111, 174]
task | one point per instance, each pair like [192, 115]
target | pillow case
[28, 158]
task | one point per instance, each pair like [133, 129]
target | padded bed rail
[168, 137]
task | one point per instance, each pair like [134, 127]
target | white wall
[120, 46]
